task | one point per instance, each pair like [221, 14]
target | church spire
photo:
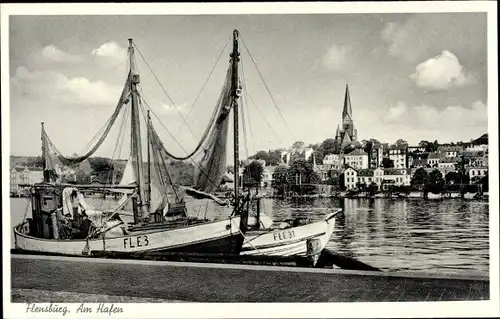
[337, 134]
[347, 111]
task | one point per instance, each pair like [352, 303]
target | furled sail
[55, 161]
[210, 154]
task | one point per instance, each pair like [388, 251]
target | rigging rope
[178, 143]
[164, 91]
[204, 84]
[246, 104]
[267, 87]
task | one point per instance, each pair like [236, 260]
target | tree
[328, 146]
[252, 174]
[298, 145]
[387, 163]
[432, 147]
[348, 149]
[420, 178]
[301, 172]
[401, 142]
[452, 178]
[274, 157]
[261, 155]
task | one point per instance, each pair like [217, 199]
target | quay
[54, 278]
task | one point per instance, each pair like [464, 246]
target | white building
[449, 163]
[336, 161]
[267, 176]
[350, 178]
[477, 148]
[450, 151]
[398, 154]
[396, 177]
[433, 159]
[24, 176]
[357, 159]
[477, 173]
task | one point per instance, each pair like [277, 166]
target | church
[347, 135]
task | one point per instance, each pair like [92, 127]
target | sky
[411, 76]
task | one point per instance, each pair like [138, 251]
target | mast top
[130, 42]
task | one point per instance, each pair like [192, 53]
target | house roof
[450, 148]
[365, 172]
[357, 152]
[394, 171]
[434, 155]
[449, 160]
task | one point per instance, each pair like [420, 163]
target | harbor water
[441, 236]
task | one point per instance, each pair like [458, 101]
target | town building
[476, 173]
[267, 176]
[357, 159]
[365, 176]
[433, 159]
[450, 151]
[24, 175]
[350, 178]
[399, 155]
[376, 156]
[335, 160]
[346, 135]
[395, 177]
[287, 156]
[448, 163]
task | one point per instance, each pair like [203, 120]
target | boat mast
[136, 148]
[235, 58]
[149, 161]
[46, 178]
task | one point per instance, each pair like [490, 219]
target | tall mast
[44, 164]
[136, 148]
[149, 161]
[235, 58]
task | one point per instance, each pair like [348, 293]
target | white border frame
[268, 310]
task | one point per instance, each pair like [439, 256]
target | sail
[55, 162]
[210, 154]
[128, 177]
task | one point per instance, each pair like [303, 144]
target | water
[450, 236]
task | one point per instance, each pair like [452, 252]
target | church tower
[347, 123]
[346, 135]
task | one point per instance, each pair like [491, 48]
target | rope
[267, 87]
[204, 84]
[246, 104]
[164, 91]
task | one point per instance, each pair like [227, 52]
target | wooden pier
[53, 279]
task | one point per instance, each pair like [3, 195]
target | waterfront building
[448, 163]
[450, 151]
[376, 156]
[399, 154]
[346, 135]
[476, 173]
[396, 177]
[267, 176]
[378, 176]
[350, 178]
[357, 159]
[433, 159]
[24, 176]
[336, 161]
[365, 176]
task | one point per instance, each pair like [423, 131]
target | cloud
[453, 117]
[441, 72]
[53, 53]
[41, 86]
[337, 58]
[423, 34]
[111, 53]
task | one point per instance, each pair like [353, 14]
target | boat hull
[214, 237]
[291, 241]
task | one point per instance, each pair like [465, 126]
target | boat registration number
[284, 235]
[135, 242]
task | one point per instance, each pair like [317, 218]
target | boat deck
[158, 281]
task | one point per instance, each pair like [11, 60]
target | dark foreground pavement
[160, 281]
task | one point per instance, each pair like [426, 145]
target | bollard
[313, 251]
[55, 228]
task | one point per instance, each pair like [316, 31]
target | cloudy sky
[411, 76]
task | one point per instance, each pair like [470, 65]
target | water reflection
[449, 236]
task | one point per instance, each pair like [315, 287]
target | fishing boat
[64, 223]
